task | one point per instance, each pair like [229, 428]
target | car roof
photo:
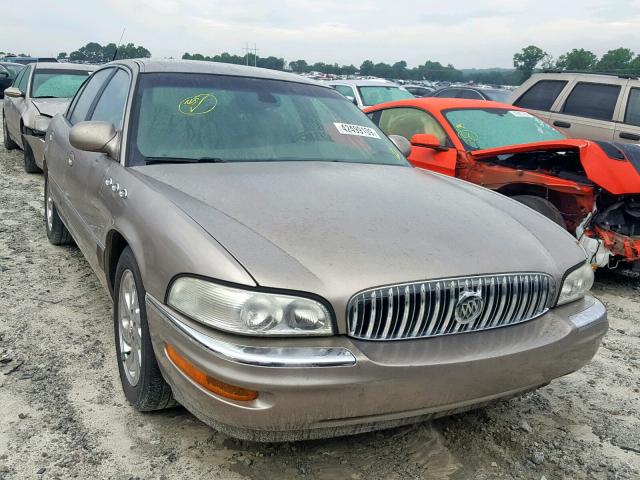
[364, 83]
[573, 74]
[439, 104]
[65, 66]
[14, 64]
[216, 68]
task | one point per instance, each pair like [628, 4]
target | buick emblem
[469, 307]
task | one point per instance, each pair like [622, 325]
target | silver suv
[585, 105]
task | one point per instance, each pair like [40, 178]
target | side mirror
[95, 136]
[13, 92]
[427, 140]
[351, 99]
[402, 143]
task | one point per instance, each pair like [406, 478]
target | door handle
[70, 159]
[629, 136]
[561, 124]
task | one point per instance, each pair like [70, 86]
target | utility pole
[249, 50]
[246, 50]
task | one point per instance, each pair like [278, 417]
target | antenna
[118, 44]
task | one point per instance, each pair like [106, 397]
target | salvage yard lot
[64, 414]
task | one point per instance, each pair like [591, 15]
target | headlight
[248, 312]
[41, 123]
[576, 284]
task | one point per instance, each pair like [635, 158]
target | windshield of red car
[54, 83]
[482, 128]
[205, 117]
[373, 95]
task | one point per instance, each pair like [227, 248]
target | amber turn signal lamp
[206, 381]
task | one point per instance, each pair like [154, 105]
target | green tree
[367, 68]
[62, 56]
[299, 66]
[399, 69]
[577, 59]
[616, 60]
[528, 59]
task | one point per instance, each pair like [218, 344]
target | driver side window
[85, 98]
[409, 121]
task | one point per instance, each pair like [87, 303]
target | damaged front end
[594, 185]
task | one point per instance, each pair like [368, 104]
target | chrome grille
[428, 309]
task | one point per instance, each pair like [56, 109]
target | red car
[590, 188]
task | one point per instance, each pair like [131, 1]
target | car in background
[8, 73]
[473, 93]
[596, 106]
[419, 90]
[278, 267]
[28, 60]
[590, 188]
[365, 93]
[39, 91]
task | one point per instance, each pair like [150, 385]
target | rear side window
[541, 95]
[632, 115]
[448, 93]
[110, 107]
[592, 100]
[88, 94]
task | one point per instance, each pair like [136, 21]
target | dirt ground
[63, 415]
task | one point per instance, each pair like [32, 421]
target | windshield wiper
[45, 96]
[158, 160]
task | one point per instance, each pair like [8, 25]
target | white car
[366, 93]
[40, 91]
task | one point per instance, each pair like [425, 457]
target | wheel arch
[115, 245]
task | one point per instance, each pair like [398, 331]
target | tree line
[93, 52]
[622, 61]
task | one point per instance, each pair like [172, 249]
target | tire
[8, 143]
[30, 165]
[542, 206]
[57, 232]
[142, 382]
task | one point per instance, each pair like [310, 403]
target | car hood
[612, 166]
[50, 106]
[336, 228]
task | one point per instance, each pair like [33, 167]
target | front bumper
[324, 387]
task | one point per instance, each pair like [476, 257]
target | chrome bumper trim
[259, 356]
[595, 312]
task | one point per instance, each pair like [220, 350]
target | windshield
[13, 69]
[203, 117]
[52, 83]
[480, 128]
[373, 95]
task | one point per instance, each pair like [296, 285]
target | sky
[465, 33]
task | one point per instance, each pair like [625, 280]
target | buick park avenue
[280, 269]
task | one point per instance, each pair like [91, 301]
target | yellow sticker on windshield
[467, 136]
[198, 104]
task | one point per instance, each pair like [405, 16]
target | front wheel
[542, 206]
[30, 165]
[142, 382]
[8, 143]
[57, 232]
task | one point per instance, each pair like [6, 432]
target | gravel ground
[63, 415]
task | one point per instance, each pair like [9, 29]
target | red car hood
[612, 166]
